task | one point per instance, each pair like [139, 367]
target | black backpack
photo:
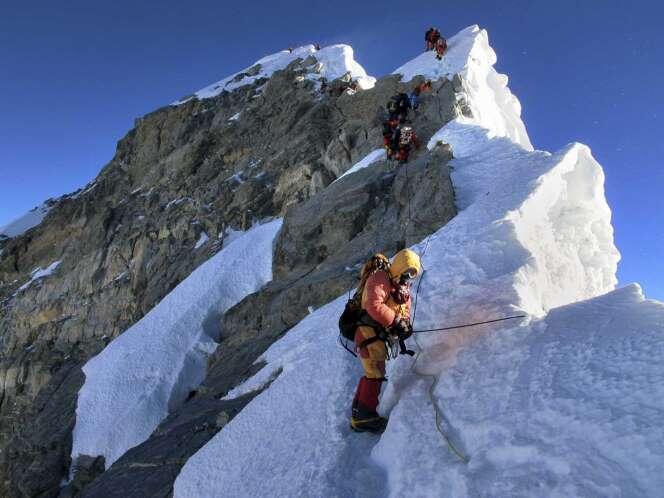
[403, 101]
[350, 318]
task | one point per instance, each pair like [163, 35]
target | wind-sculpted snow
[485, 91]
[548, 211]
[131, 385]
[570, 405]
[335, 61]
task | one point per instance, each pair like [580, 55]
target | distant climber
[430, 38]
[398, 106]
[414, 96]
[384, 319]
[403, 141]
[399, 139]
[389, 128]
[317, 47]
[441, 47]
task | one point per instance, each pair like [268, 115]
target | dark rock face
[129, 238]
[150, 470]
[38, 456]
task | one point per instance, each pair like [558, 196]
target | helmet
[405, 261]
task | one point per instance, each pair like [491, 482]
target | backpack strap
[379, 331]
[368, 341]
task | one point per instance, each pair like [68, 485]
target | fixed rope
[440, 329]
[439, 416]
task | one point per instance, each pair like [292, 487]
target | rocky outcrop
[132, 235]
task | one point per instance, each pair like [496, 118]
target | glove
[402, 328]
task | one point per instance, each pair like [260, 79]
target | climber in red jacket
[430, 38]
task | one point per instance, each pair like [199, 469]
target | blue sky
[74, 76]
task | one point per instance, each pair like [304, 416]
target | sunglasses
[409, 274]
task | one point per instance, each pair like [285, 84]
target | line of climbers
[435, 41]
[399, 137]
[377, 318]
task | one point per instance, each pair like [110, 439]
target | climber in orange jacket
[386, 301]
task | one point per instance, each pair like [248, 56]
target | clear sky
[74, 75]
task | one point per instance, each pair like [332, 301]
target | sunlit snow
[131, 385]
[485, 91]
[335, 61]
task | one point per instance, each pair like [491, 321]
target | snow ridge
[485, 91]
[150, 369]
[550, 209]
[334, 61]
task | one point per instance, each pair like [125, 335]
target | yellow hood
[404, 260]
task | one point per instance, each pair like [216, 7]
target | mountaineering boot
[365, 421]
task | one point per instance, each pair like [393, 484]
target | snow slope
[131, 385]
[368, 160]
[485, 91]
[335, 61]
[563, 403]
[568, 406]
[24, 223]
